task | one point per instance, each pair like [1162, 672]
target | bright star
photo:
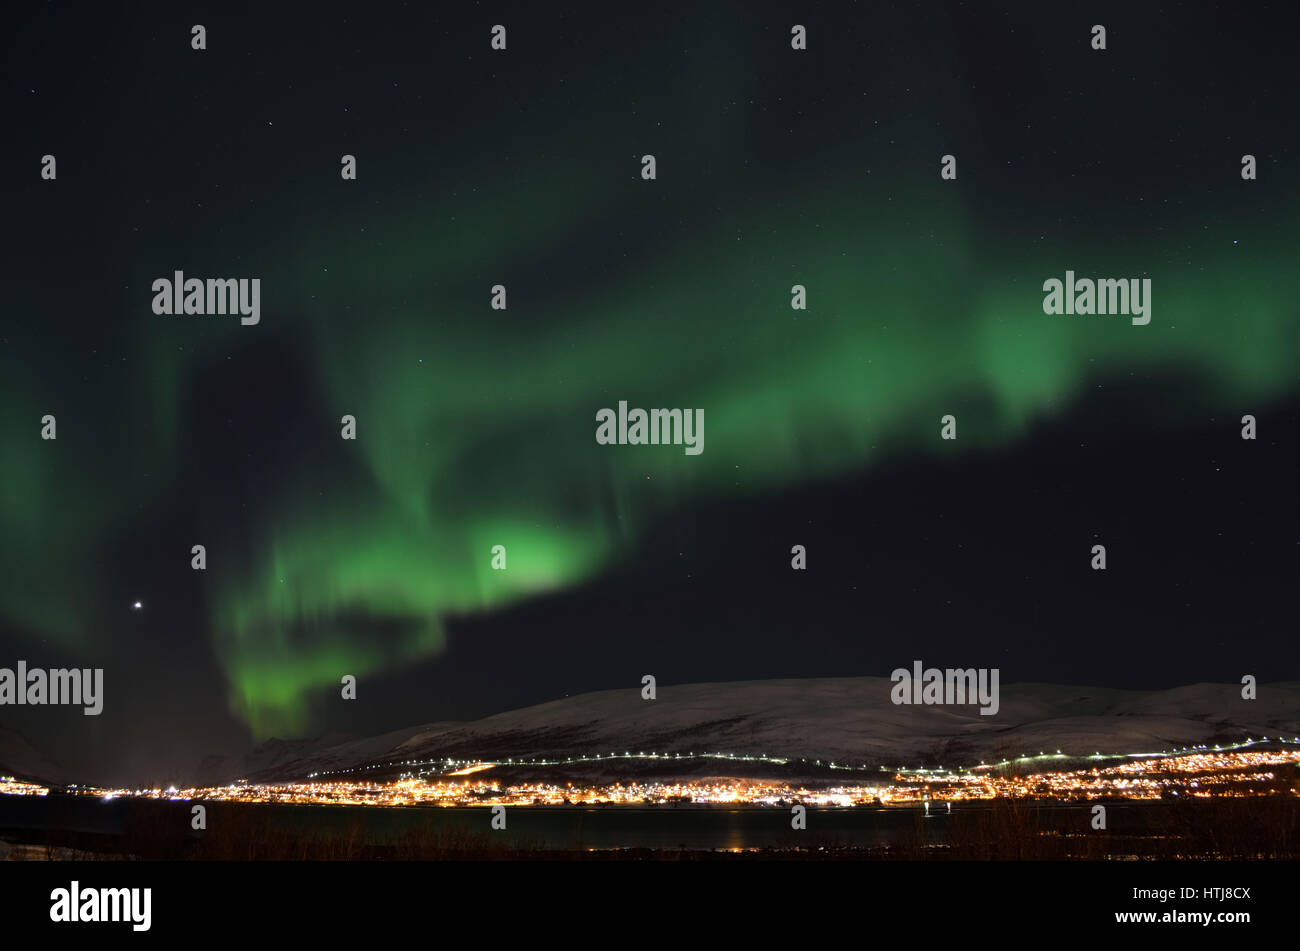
[137, 605]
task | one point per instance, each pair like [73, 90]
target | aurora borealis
[475, 427]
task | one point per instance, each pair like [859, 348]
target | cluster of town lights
[1192, 772]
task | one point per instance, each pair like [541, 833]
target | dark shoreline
[1262, 827]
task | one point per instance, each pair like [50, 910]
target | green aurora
[476, 428]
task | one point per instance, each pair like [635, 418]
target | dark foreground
[89, 829]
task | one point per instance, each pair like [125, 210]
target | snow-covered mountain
[846, 720]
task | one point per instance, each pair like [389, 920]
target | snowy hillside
[849, 720]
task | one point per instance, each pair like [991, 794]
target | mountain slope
[848, 720]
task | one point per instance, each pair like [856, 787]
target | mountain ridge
[847, 719]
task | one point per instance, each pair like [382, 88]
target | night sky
[476, 427]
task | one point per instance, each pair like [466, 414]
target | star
[137, 606]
